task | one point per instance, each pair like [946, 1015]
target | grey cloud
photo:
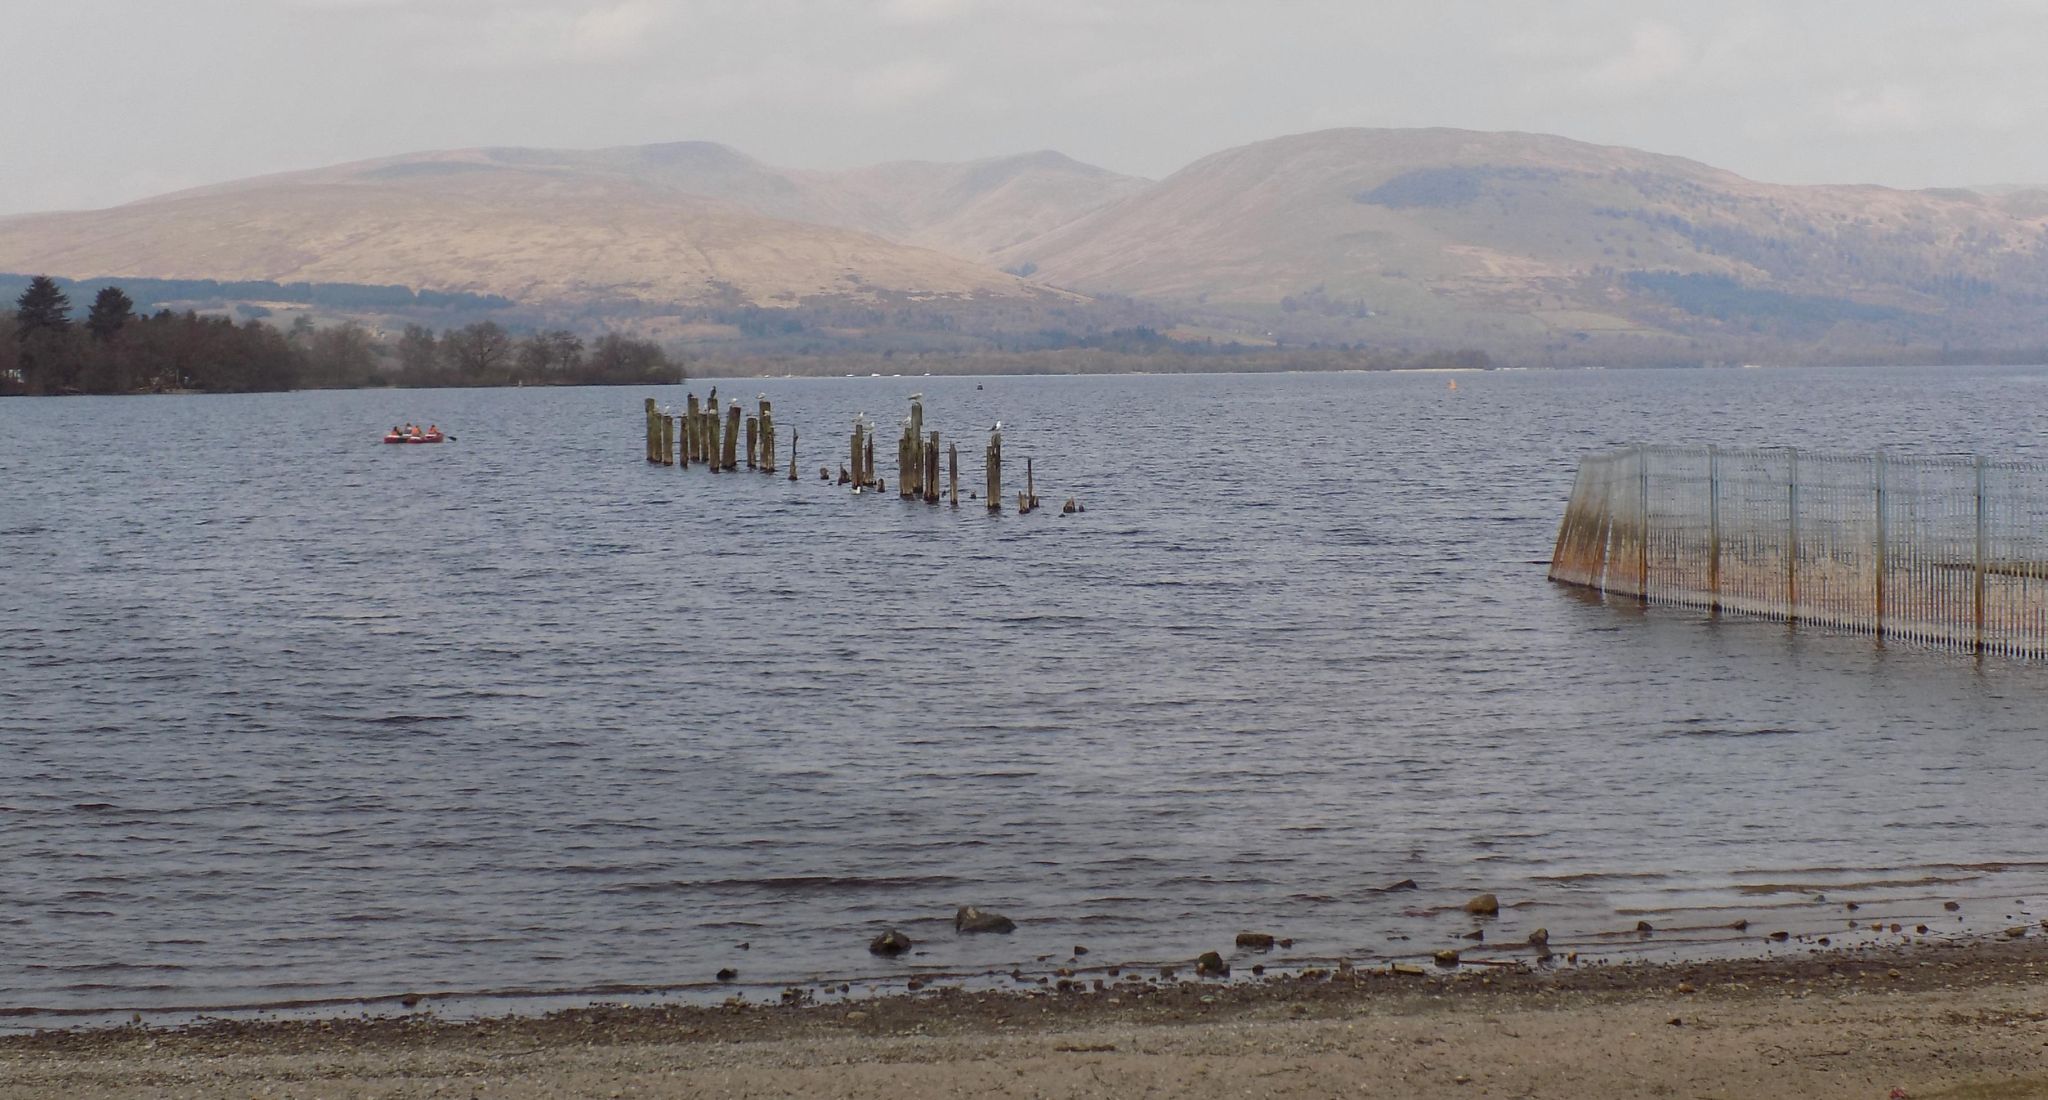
[139, 95]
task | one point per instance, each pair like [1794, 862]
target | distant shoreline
[719, 372]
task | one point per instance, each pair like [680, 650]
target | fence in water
[1950, 552]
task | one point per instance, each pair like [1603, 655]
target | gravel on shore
[1962, 1020]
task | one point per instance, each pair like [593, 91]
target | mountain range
[1530, 247]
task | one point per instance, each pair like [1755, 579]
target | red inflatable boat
[424, 437]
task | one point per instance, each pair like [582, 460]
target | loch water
[290, 716]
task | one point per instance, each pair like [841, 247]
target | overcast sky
[102, 101]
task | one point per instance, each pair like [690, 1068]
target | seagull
[917, 397]
[998, 426]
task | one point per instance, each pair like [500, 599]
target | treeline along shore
[114, 350]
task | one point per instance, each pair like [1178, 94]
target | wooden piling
[903, 462]
[916, 447]
[931, 470]
[1030, 488]
[853, 460]
[953, 472]
[711, 448]
[650, 431]
[995, 471]
[668, 439]
[693, 428]
[792, 455]
[753, 442]
[767, 415]
[868, 462]
[732, 437]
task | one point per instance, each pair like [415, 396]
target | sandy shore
[1959, 1020]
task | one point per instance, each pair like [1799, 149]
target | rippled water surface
[286, 714]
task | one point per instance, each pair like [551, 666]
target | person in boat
[433, 429]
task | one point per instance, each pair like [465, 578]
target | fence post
[1877, 623]
[1642, 523]
[1977, 595]
[1792, 535]
[1714, 527]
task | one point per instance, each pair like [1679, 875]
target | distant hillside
[1535, 244]
[500, 222]
[968, 210]
[1528, 247]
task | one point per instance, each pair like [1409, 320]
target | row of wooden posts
[696, 435]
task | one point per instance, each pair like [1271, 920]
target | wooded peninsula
[116, 351]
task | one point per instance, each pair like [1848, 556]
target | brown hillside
[1506, 238]
[525, 226]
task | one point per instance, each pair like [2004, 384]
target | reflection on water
[286, 714]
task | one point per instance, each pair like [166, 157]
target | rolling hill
[531, 227]
[1523, 241]
[1532, 247]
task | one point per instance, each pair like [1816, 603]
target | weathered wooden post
[904, 461]
[1977, 595]
[753, 442]
[650, 431]
[792, 455]
[930, 478]
[1714, 528]
[995, 468]
[854, 460]
[767, 435]
[732, 437]
[711, 449]
[668, 439]
[692, 428]
[868, 460]
[1030, 487]
[953, 472]
[917, 445]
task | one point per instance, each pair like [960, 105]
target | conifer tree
[42, 308]
[110, 310]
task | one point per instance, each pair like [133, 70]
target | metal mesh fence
[1944, 551]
